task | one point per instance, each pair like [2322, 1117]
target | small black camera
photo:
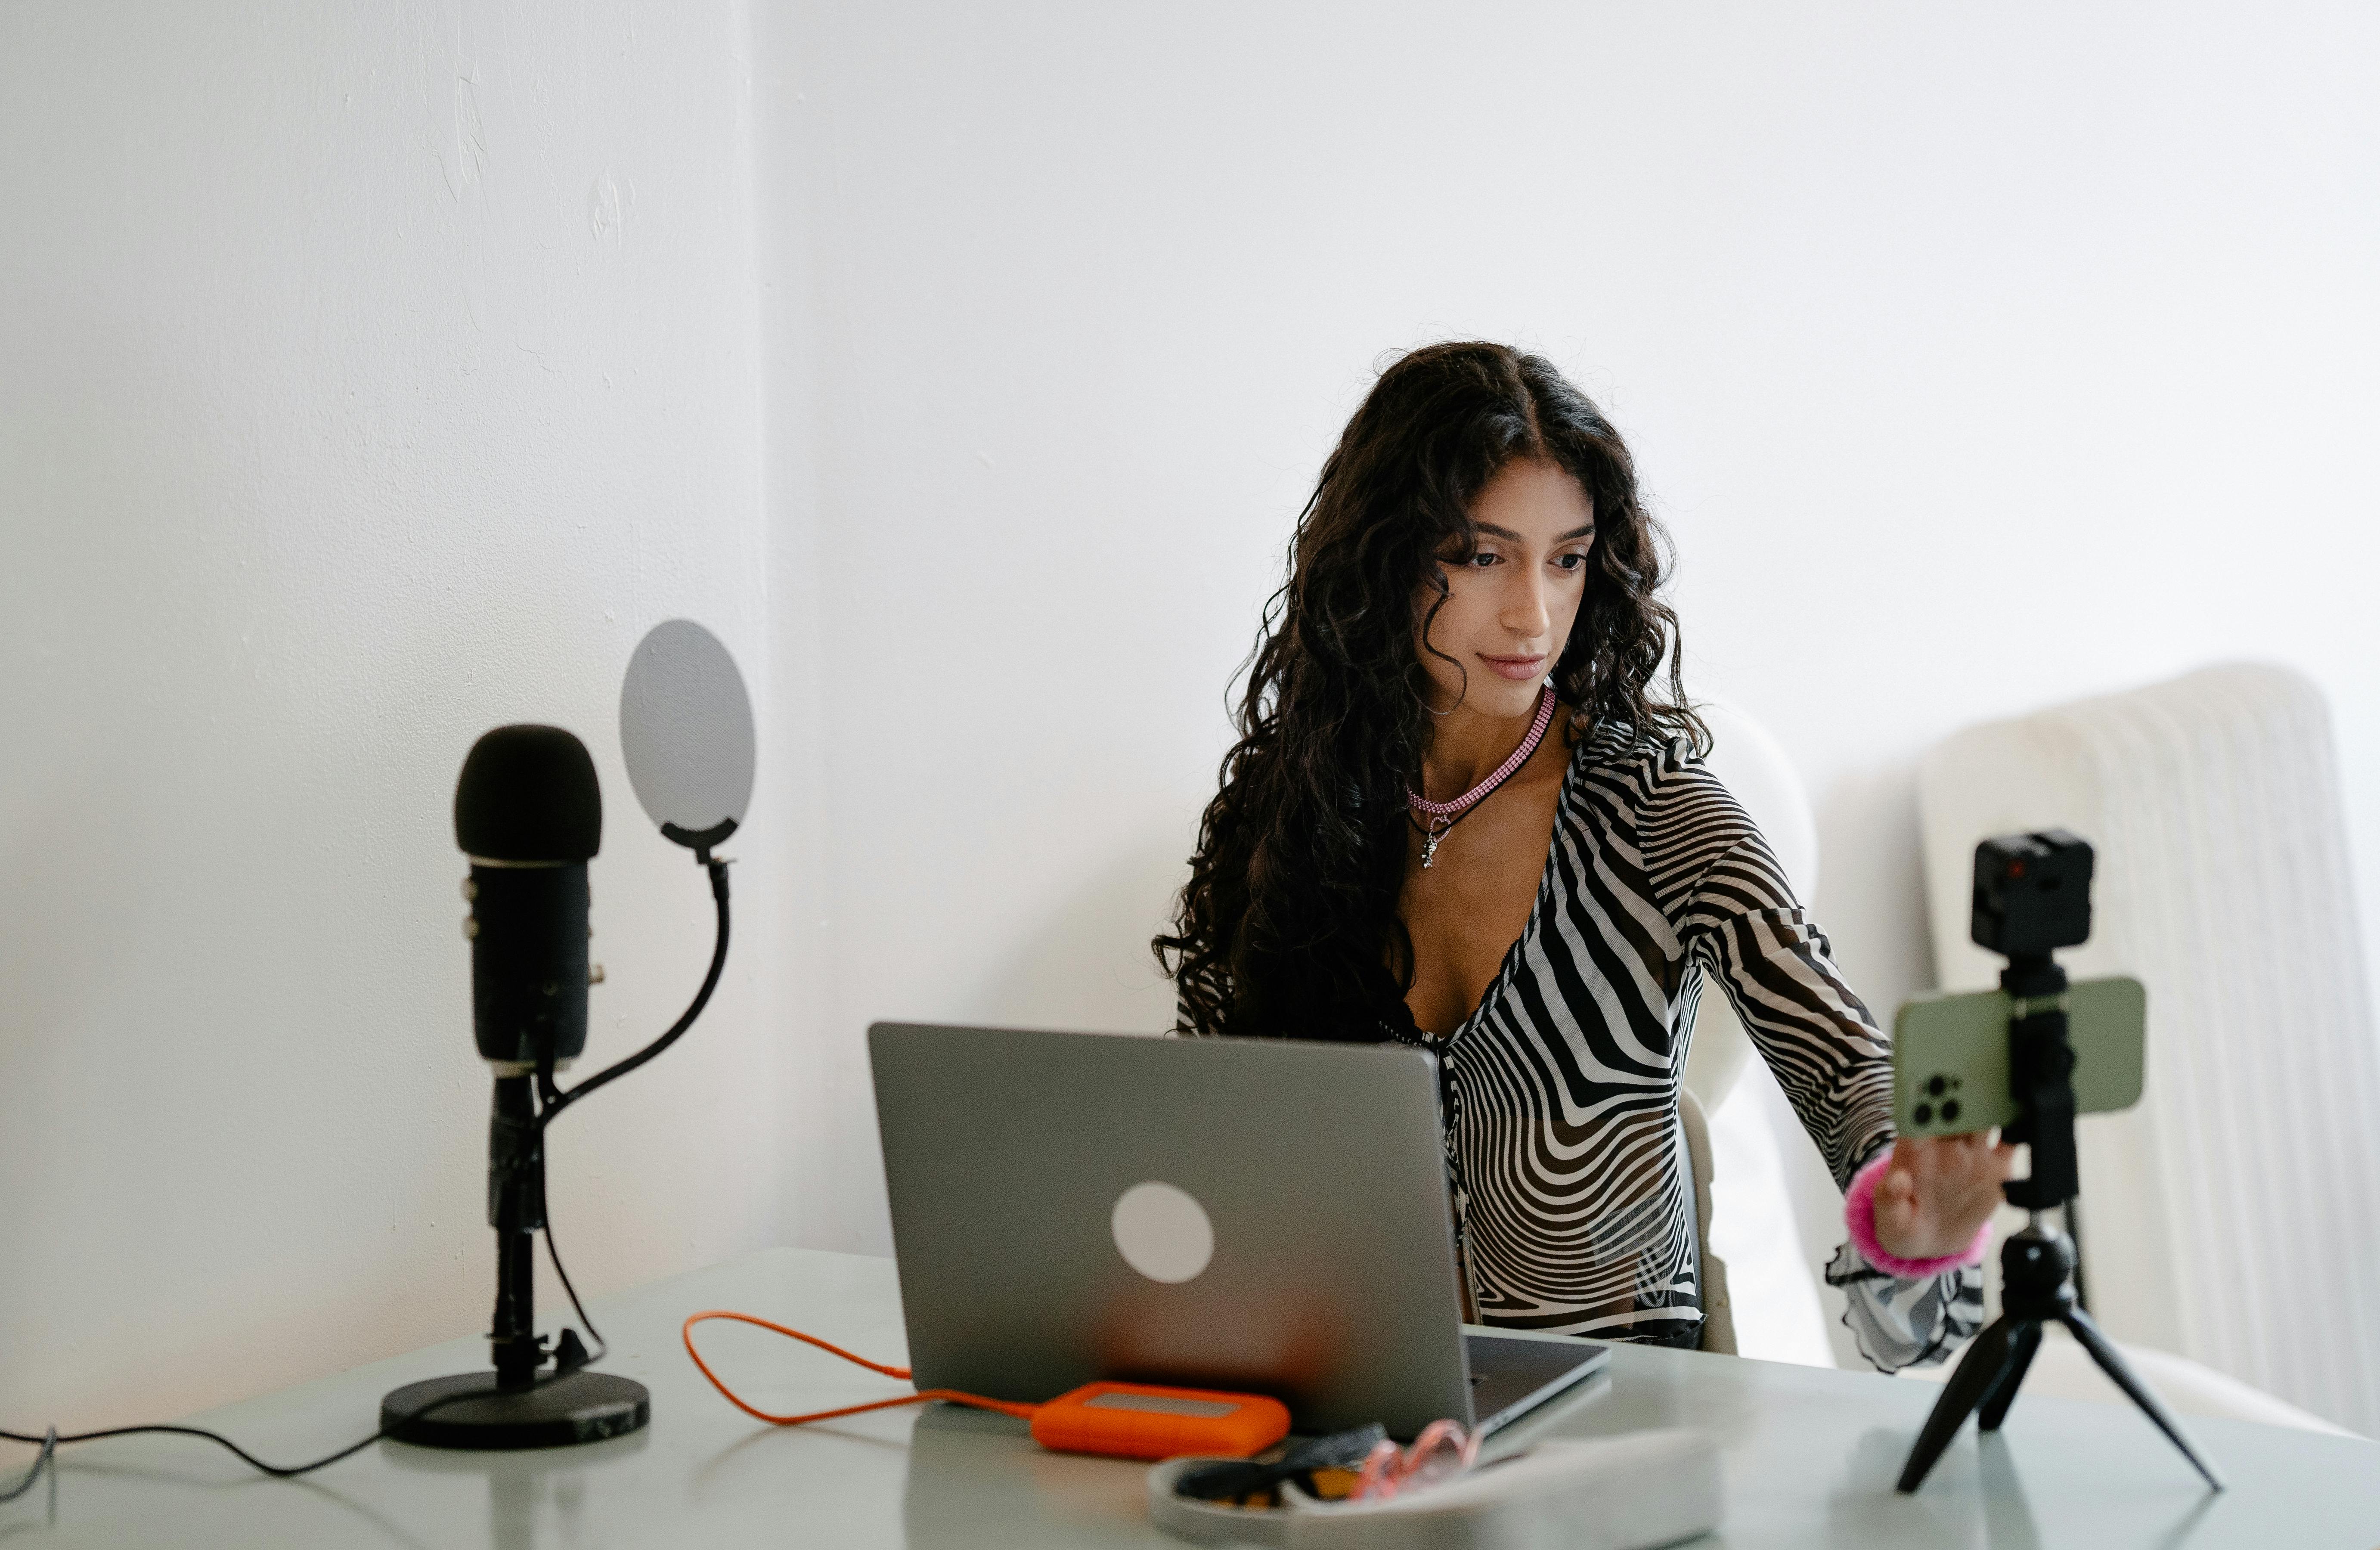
[2033, 893]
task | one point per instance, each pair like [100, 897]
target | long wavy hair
[1288, 927]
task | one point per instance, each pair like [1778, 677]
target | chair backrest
[1719, 1307]
[2231, 1217]
[1753, 767]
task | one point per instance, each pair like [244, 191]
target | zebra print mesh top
[1570, 1181]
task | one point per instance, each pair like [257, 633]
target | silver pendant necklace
[1444, 816]
[1431, 837]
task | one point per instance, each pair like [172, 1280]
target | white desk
[1810, 1457]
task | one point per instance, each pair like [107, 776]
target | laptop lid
[1236, 1214]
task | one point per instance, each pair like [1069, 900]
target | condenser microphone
[528, 815]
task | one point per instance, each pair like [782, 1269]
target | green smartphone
[1951, 1056]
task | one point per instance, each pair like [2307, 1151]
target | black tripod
[2037, 1266]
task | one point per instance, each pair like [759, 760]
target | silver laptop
[1246, 1215]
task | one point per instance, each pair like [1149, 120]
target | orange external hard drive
[1138, 1421]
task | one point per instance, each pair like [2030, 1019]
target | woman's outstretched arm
[1741, 928]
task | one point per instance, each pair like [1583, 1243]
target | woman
[1468, 812]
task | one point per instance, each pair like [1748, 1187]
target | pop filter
[685, 733]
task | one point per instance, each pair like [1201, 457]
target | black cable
[603, 1347]
[2074, 1233]
[555, 1100]
[279, 1470]
[49, 1451]
[51, 1443]
[552, 1100]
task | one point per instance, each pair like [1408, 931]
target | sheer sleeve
[1744, 930]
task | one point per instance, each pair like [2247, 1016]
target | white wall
[366, 382]
[368, 377]
[1978, 357]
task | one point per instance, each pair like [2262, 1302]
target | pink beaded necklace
[1443, 816]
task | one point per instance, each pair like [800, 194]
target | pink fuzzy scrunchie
[1859, 1215]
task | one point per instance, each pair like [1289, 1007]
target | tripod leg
[1978, 1370]
[1995, 1404]
[2111, 1361]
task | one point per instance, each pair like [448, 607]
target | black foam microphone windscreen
[528, 813]
[528, 794]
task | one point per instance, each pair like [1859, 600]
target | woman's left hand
[1938, 1192]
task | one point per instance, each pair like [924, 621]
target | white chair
[2231, 1216]
[1760, 1294]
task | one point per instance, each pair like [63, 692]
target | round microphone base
[575, 1408]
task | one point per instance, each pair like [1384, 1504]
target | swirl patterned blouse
[1570, 1181]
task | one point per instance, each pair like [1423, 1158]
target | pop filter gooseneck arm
[553, 1101]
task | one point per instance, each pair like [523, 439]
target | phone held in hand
[1951, 1056]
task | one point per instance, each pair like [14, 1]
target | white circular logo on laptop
[1163, 1232]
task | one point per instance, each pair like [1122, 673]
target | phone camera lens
[1935, 1086]
[1949, 1111]
[1925, 1114]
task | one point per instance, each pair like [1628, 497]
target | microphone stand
[513, 1406]
[516, 1210]
[2039, 1266]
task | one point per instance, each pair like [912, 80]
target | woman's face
[1511, 604]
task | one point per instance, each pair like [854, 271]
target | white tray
[1636, 1491]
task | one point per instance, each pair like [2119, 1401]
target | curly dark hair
[1288, 927]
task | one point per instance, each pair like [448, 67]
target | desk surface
[1810, 1455]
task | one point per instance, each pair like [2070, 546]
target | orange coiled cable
[1023, 1412]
